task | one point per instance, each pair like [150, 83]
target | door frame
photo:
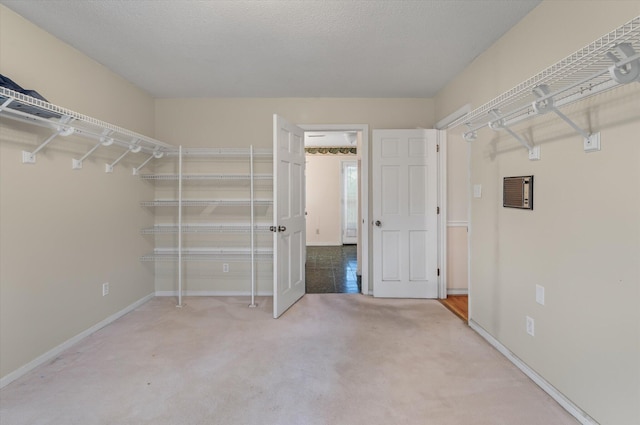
[365, 235]
[363, 155]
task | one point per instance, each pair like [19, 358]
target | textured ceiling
[280, 48]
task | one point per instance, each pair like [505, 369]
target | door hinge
[438, 272]
[437, 148]
[437, 210]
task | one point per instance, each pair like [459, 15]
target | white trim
[338, 243]
[442, 218]
[213, 293]
[457, 291]
[444, 123]
[54, 352]
[563, 401]
[363, 154]
[457, 223]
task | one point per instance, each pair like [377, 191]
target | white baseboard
[212, 294]
[54, 352]
[457, 223]
[458, 291]
[567, 404]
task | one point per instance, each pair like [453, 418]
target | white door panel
[289, 250]
[405, 236]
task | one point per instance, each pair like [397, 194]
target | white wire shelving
[207, 177]
[206, 202]
[65, 122]
[209, 254]
[205, 228]
[607, 63]
[248, 251]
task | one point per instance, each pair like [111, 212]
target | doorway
[332, 211]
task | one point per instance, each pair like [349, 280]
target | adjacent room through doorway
[332, 212]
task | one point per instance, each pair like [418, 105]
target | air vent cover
[518, 192]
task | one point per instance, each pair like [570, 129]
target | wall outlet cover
[531, 326]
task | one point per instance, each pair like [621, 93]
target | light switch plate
[477, 191]
[540, 294]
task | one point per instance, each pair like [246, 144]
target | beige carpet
[331, 359]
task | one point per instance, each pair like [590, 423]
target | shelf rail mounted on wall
[607, 63]
[65, 122]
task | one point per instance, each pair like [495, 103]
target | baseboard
[212, 294]
[567, 404]
[457, 223]
[458, 291]
[54, 352]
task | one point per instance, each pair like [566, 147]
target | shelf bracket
[6, 103]
[470, 135]
[499, 124]
[545, 103]
[133, 147]
[63, 129]
[626, 64]
[156, 154]
[76, 164]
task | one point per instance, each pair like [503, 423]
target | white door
[289, 248]
[349, 201]
[405, 236]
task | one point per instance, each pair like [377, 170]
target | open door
[289, 227]
[405, 213]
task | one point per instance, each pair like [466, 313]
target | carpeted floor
[331, 359]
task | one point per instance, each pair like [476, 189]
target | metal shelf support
[499, 124]
[62, 130]
[156, 154]
[546, 104]
[76, 164]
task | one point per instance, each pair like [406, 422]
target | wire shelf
[579, 75]
[36, 111]
[208, 177]
[206, 202]
[204, 228]
[223, 152]
[209, 254]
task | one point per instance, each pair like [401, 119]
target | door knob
[378, 223]
[272, 228]
[281, 228]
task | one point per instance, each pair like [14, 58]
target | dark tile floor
[332, 269]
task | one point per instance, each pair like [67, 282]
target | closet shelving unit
[221, 237]
[607, 63]
[63, 123]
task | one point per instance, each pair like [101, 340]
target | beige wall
[582, 241]
[324, 213]
[65, 232]
[241, 122]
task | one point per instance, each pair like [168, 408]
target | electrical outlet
[540, 294]
[531, 326]
[225, 268]
[317, 231]
[105, 289]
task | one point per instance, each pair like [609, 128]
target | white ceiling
[188, 48]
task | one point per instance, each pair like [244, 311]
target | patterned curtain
[331, 151]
